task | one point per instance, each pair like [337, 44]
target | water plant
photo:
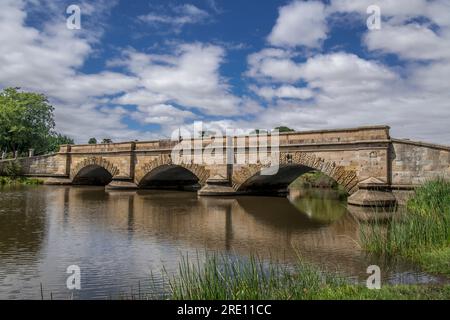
[223, 278]
[422, 228]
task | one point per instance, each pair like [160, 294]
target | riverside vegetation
[222, 278]
[421, 234]
[10, 175]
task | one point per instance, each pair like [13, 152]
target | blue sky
[143, 69]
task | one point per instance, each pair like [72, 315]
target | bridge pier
[121, 184]
[217, 186]
[373, 192]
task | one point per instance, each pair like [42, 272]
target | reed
[224, 278]
[424, 227]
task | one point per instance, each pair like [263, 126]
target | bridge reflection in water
[119, 237]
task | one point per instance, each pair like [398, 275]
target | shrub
[12, 169]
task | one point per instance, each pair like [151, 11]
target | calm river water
[120, 238]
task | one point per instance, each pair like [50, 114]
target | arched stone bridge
[373, 167]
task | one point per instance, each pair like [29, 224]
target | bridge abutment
[217, 186]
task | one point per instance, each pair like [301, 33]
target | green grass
[390, 292]
[432, 198]
[422, 234]
[220, 278]
[435, 260]
[19, 181]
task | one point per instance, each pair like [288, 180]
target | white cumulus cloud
[300, 23]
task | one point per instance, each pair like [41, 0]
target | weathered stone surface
[414, 162]
[373, 192]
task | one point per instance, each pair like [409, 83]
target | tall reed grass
[425, 225]
[222, 278]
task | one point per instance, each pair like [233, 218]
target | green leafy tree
[284, 129]
[27, 122]
[92, 141]
[56, 140]
[107, 140]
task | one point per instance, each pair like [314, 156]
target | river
[122, 240]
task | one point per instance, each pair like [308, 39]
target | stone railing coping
[362, 128]
[422, 144]
[33, 157]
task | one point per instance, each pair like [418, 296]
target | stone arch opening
[170, 176]
[273, 184]
[249, 179]
[93, 175]
[93, 171]
[161, 172]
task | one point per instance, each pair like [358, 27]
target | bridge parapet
[99, 148]
[351, 135]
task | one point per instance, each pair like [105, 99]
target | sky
[140, 70]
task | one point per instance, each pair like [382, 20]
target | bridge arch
[291, 166]
[162, 172]
[93, 171]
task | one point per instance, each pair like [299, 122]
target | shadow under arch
[162, 173]
[93, 175]
[275, 183]
[170, 176]
[250, 178]
[93, 171]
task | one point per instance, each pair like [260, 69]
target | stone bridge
[374, 168]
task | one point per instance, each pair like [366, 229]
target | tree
[284, 129]
[107, 140]
[57, 140]
[92, 141]
[27, 122]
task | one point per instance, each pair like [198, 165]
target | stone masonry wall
[414, 163]
[41, 165]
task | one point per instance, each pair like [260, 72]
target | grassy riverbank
[422, 234]
[9, 181]
[220, 278]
